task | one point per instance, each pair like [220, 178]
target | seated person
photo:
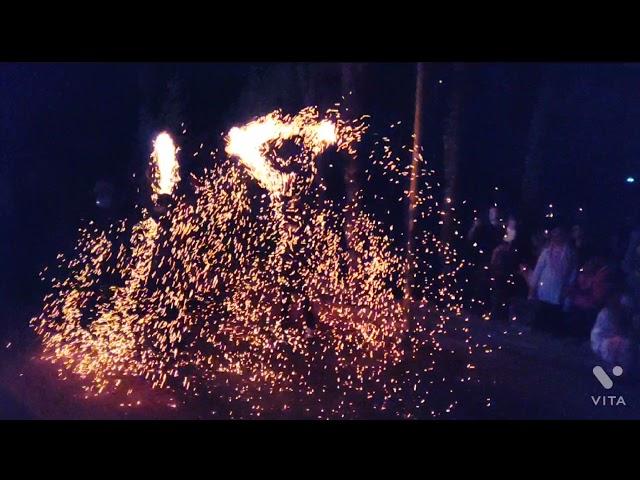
[612, 334]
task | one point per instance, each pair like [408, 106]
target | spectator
[612, 334]
[503, 269]
[539, 241]
[581, 243]
[631, 265]
[554, 273]
[594, 284]
[485, 234]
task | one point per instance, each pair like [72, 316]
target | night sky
[65, 127]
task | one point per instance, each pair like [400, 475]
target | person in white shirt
[554, 273]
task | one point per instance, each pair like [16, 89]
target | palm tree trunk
[305, 81]
[451, 152]
[533, 159]
[351, 91]
[351, 76]
[416, 161]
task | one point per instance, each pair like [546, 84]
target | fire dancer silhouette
[288, 180]
[292, 258]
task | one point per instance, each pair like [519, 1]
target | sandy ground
[536, 376]
[523, 375]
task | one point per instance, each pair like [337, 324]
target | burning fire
[165, 168]
[252, 142]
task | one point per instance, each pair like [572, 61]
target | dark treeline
[542, 133]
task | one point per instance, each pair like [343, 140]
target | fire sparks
[194, 301]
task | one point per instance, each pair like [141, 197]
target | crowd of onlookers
[558, 280]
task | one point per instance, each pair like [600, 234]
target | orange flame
[250, 144]
[165, 165]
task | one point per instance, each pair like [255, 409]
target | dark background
[65, 127]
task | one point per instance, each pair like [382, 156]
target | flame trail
[165, 168]
[252, 142]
